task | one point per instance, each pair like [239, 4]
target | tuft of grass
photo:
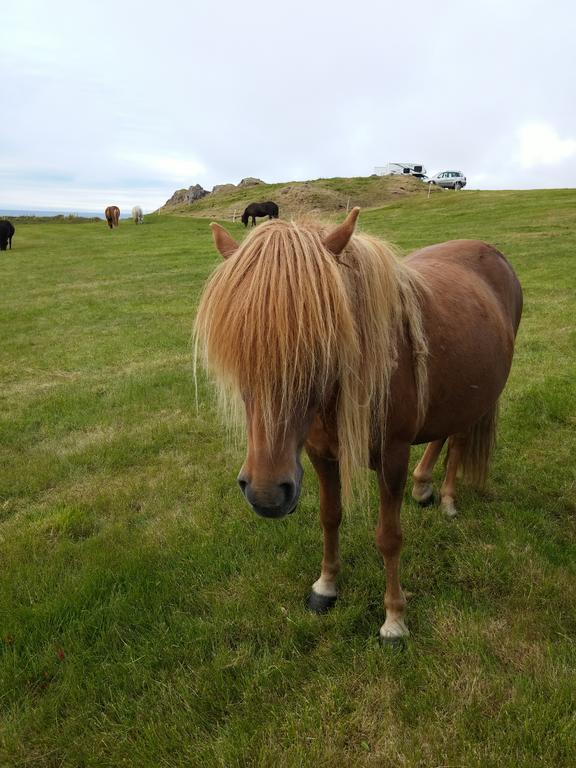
[148, 619]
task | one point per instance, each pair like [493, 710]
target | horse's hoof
[423, 493]
[393, 634]
[448, 507]
[393, 643]
[320, 603]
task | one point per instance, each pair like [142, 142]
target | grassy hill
[321, 196]
[148, 618]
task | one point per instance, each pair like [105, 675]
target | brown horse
[112, 214]
[336, 346]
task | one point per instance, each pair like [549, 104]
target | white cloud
[540, 144]
[178, 170]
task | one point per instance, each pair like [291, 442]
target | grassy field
[149, 619]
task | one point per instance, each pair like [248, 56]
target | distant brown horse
[112, 214]
[338, 347]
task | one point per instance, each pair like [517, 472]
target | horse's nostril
[288, 490]
[243, 484]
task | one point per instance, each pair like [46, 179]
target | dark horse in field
[259, 209]
[112, 214]
[6, 232]
[336, 346]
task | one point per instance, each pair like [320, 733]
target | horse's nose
[271, 500]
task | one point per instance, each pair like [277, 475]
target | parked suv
[449, 180]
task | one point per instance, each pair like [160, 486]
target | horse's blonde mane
[285, 322]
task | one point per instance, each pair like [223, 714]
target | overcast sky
[125, 103]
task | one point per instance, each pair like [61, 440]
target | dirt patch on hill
[296, 199]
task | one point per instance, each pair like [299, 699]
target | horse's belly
[467, 373]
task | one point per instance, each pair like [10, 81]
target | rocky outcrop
[187, 196]
[220, 188]
[250, 181]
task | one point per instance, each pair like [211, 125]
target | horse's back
[268, 208]
[459, 268]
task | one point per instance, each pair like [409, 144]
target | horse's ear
[337, 240]
[224, 242]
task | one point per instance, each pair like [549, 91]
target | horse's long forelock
[283, 322]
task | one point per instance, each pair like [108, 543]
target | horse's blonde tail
[478, 448]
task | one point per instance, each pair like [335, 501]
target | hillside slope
[318, 196]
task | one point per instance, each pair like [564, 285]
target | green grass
[148, 618]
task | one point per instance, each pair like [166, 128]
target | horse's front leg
[391, 481]
[324, 592]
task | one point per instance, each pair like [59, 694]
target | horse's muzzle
[273, 501]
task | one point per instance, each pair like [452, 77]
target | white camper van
[402, 169]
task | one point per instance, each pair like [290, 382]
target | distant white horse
[137, 215]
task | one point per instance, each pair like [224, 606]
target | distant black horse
[6, 232]
[259, 209]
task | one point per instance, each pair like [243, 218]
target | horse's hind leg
[423, 490]
[324, 592]
[448, 488]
